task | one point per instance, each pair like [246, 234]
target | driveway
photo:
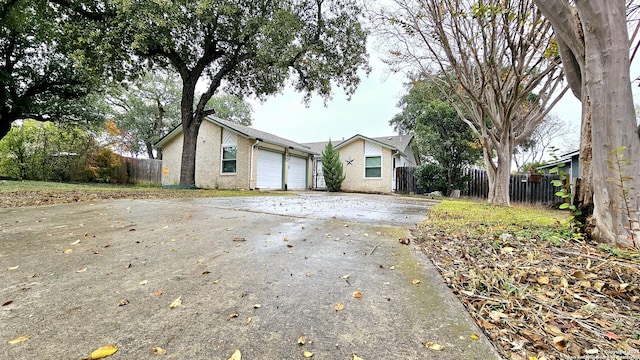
[254, 274]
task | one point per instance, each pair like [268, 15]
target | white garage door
[269, 170]
[297, 173]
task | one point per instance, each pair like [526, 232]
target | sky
[370, 109]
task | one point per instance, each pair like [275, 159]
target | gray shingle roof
[247, 132]
[252, 133]
[397, 142]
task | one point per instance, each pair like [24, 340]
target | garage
[297, 173]
[269, 172]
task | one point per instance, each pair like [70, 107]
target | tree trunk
[190, 130]
[501, 173]
[583, 199]
[607, 80]
[5, 127]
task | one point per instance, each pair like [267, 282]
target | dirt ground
[273, 277]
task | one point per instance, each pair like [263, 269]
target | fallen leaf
[7, 303]
[13, 267]
[248, 321]
[474, 337]
[543, 280]
[67, 251]
[357, 294]
[177, 302]
[239, 239]
[611, 335]
[123, 302]
[257, 306]
[307, 354]
[392, 268]
[81, 270]
[416, 281]
[236, 355]
[506, 250]
[233, 315]
[302, 340]
[433, 346]
[75, 242]
[157, 292]
[144, 282]
[404, 241]
[345, 276]
[339, 306]
[19, 339]
[356, 357]
[157, 350]
[102, 352]
[497, 315]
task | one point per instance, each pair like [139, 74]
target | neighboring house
[571, 165]
[232, 156]
[369, 163]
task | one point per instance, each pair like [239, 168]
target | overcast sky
[370, 109]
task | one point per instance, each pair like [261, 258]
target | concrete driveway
[254, 274]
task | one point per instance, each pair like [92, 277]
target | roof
[563, 159]
[394, 142]
[244, 131]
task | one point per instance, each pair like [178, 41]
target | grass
[481, 220]
[29, 193]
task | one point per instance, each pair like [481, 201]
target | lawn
[537, 290]
[29, 193]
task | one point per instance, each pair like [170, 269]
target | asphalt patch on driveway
[253, 274]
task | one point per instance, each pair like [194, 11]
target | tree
[43, 73]
[232, 108]
[533, 149]
[495, 54]
[593, 43]
[143, 111]
[245, 48]
[332, 168]
[36, 150]
[446, 144]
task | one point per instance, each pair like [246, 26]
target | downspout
[251, 164]
[394, 180]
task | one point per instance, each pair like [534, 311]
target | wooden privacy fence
[522, 188]
[406, 182]
[143, 171]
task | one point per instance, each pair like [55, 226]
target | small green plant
[618, 163]
[332, 168]
[619, 253]
[565, 190]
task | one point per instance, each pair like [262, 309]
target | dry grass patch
[537, 290]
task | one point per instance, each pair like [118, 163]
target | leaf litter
[533, 295]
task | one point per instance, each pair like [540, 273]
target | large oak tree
[593, 42]
[245, 47]
[42, 76]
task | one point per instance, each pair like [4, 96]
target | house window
[229, 154]
[373, 166]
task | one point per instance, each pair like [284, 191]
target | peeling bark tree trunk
[594, 45]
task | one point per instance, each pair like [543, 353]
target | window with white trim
[372, 160]
[229, 151]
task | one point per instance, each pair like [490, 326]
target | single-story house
[369, 163]
[232, 156]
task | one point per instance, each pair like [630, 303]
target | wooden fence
[406, 182]
[522, 188]
[143, 171]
